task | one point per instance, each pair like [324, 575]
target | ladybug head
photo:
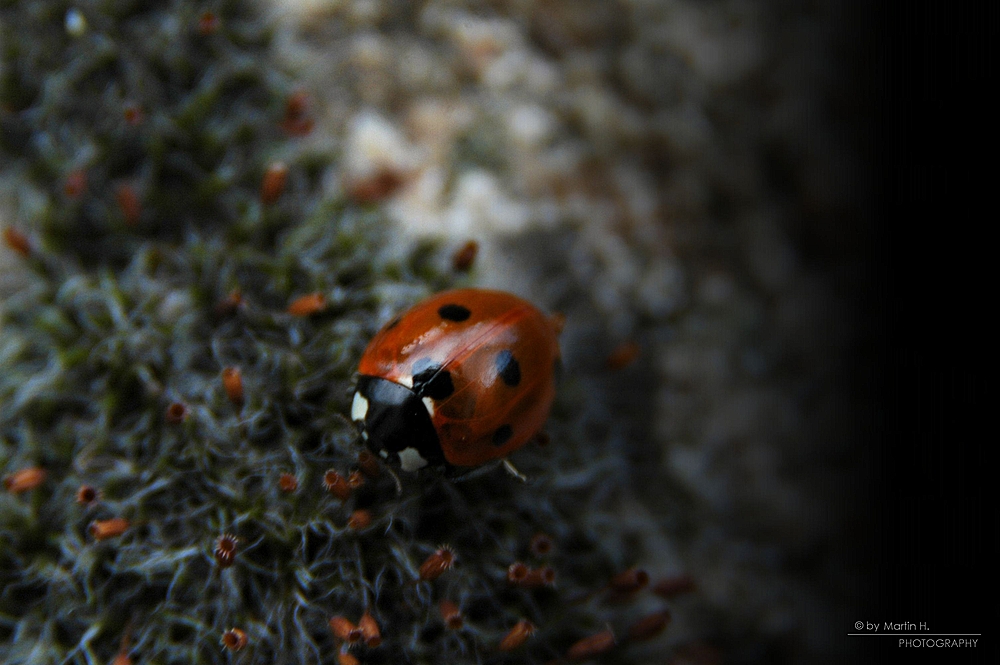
[395, 424]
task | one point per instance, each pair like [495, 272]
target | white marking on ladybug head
[410, 459]
[384, 454]
[429, 403]
[359, 409]
[405, 381]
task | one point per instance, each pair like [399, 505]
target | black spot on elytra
[508, 368]
[454, 312]
[502, 435]
[392, 324]
[429, 380]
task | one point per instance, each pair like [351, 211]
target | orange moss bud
[297, 121]
[133, 114]
[307, 304]
[674, 586]
[177, 412]
[344, 629]
[208, 23]
[234, 639]
[517, 573]
[75, 183]
[104, 529]
[465, 256]
[355, 479]
[232, 381]
[649, 626]
[226, 547]
[369, 630]
[25, 479]
[594, 645]
[369, 464]
[544, 576]
[230, 304]
[530, 578]
[129, 204]
[273, 184]
[375, 187]
[452, 616]
[17, 241]
[517, 635]
[336, 485]
[557, 321]
[359, 520]
[437, 563]
[623, 355]
[541, 544]
[288, 483]
[87, 495]
[629, 581]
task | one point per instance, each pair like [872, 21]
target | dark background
[931, 302]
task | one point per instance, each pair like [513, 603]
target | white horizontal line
[920, 634]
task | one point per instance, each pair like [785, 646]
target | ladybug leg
[395, 477]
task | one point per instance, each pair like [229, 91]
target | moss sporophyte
[182, 482]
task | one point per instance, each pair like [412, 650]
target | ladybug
[463, 378]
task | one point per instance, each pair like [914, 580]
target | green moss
[124, 321]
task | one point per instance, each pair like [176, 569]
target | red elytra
[462, 378]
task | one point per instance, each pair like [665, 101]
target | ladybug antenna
[512, 470]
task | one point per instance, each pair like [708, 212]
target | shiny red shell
[501, 353]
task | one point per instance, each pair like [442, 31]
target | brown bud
[75, 184]
[230, 304]
[375, 187]
[462, 260]
[288, 483]
[273, 184]
[517, 573]
[355, 480]
[336, 485]
[208, 23]
[594, 645]
[307, 304]
[649, 626]
[87, 495]
[369, 464]
[541, 545]
[369, 630]
[517, 635]
[344, 629]
[225, 549]
[104, 529]
[128, 202]
[232, 381]
[133, 114]
[452, 615]
[234, 639]
[629, 581]
[437, 563]
[177, 412]
[359, 520]
[25, 479]
[623, 355]
[17, 241]
[674, 586]
[297, 121]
